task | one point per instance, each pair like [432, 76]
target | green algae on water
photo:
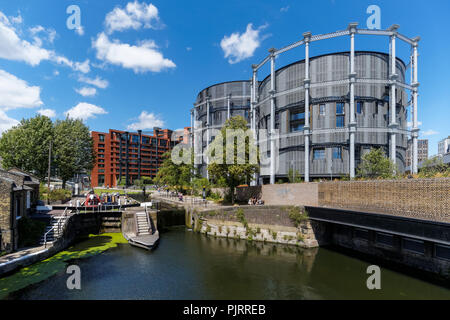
[43, 270]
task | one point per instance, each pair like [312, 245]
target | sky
[132, 65]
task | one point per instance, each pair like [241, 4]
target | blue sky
[136, 64]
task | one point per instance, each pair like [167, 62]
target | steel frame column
[228, 106]
[272, 115]
[393, 100]
[352, 78]
[307, 81]
[415, 129]
[207, 135]
[254, 89]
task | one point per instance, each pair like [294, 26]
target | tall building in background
[444, 146]
[129, 155]
[422, 151]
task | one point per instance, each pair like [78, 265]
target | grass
[43, 270]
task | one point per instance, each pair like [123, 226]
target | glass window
[359, 107]
[135, 139]
[297, 116]
[337, 153]
[322, 109]
[340, 108]
[340, 121]
[101, 179]
[319, 154]
[145, 140]
[101, 137]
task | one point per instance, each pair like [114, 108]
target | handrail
[58, 226]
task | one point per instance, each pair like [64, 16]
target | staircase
[52, 233]
[143, 223]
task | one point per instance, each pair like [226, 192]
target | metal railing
[61, 223]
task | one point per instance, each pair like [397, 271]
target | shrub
[297, 215]
[274, 235]
[241, 217]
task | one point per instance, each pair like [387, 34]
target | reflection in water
[192, 266]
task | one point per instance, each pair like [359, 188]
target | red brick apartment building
[129, 155]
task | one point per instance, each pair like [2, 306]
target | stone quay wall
[263, 223]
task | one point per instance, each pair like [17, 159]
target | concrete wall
[291, 194]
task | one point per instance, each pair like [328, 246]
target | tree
[375, 164]
[26, 145]
[294, 176]
[433, 167]
[73, 148]
[233, 154]
[174, 175]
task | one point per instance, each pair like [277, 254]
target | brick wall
[416, 198]
[6, 240]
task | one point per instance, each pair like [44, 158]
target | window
[296, 127]
[359, 107]
[101, 137]
[101, 145]
[297, 116]
[319, 154]
[145, 140]
[340, 121]
[337, 153]
[101, 155]
[135, 139]
[322, 110]
[101, 179]
[442, 251]
[361, 234]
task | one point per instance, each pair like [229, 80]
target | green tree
[375, 164]
[294, 176]
[73, 148]
[26, 145]
[241, 152]
[174, 175]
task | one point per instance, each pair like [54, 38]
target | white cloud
[47, 112]
[188, 48]
[16, 93]
[17, 20]
[430, 132]
[141, 58]
[134, 16]
[14, 48]
[98, 82]
[84, 111]
[238, 47]
[284, 9]
[86, 91]
[6, 122]
[146, 121]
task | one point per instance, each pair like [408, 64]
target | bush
[59, 195]
[297, 215]
[30, 231]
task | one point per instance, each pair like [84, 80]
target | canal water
[188, 265]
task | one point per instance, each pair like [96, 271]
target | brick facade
[129, 155]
